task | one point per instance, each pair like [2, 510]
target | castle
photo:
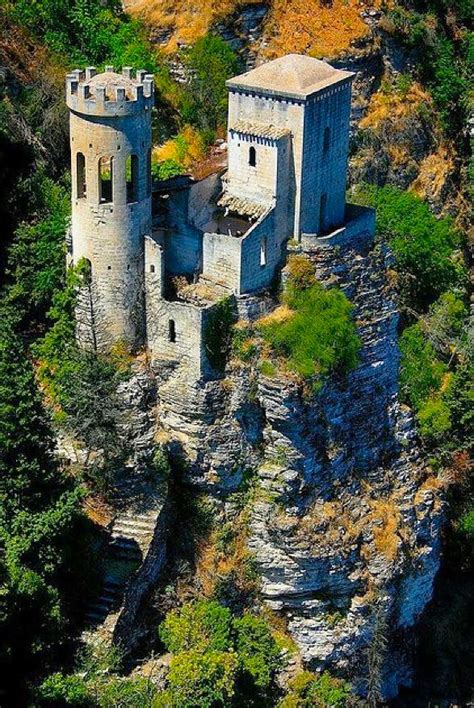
[161, 255]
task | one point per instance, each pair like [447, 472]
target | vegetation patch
[313, 332]
[426, 249]
[218, 333]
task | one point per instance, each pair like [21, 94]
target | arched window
[263, 251]
[326, 139]
[172, 331]
[152, 268]
[322, 212]
[148, 172]
[252, 156]
[106, 179]
[131, 171]
[80, 175]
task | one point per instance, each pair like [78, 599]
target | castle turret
[110, 133]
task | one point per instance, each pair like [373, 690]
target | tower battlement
[109, 94]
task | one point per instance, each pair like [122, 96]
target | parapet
[109, 94]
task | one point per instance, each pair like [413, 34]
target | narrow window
[148, 172]
[105, 179]
[172, 331]
[152, 268]
[322, 212]
[326, 139]
[252, 156]
[80, 175]
[131, 171]
[263, 252]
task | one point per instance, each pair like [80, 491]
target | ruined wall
[222, 259]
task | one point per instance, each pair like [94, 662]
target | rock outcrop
[345, 524]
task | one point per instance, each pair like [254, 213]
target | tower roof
[112, 81]
[294, 75]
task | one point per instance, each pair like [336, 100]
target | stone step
[134, 525]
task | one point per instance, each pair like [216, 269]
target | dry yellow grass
[302, 26]
[394, 106]
[187, 21]
[186, 151]
[310, 27]
[279, 315]
[387, 518]
[435, 169]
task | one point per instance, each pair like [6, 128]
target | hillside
[295, 528]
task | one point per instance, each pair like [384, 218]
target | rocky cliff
[344, 520]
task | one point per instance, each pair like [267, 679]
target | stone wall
[324, 170]
[222, 259]
[316, 170]
[110, 235]
[258, 182]
[282, 113]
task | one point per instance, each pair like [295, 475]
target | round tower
[110, 134]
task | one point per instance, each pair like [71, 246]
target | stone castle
[161, 255]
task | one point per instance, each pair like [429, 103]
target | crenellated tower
[110, 134]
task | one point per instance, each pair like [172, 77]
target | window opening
[252, 156]
[263, 252]
[172, 331]
[106, 179]
[81, 175]
[131, 171]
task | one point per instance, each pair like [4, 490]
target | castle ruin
[225, 235]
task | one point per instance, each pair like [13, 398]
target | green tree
[201, 626]
[426, 249]
[39, 523]
[210, 62]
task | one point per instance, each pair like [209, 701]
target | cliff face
[345, 520]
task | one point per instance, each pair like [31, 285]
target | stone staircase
[139, 507]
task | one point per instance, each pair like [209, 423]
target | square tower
[311, 100]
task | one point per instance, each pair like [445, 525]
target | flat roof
[294, 75]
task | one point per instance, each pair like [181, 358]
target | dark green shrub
[424, 247]
[210, 63]
[218, 333]
[421, 373]
[258, 653]
[87, 31]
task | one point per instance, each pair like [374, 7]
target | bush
[202, 680]
[200, 626]
[319, 336]
[421, 373]
[424, 246]
[434, 418]
[218, 333]
[257, 650]
[216, 656]
[307, 690]
[210, 62]
[166, 169]
[87, 31]
[466, 524]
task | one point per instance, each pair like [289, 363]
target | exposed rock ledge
[346, 529]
